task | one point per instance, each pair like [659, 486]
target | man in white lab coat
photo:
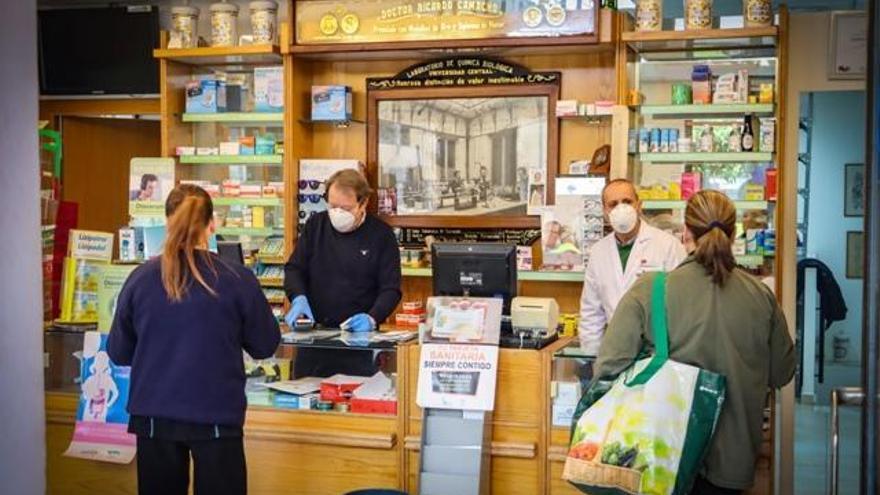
[619, 259]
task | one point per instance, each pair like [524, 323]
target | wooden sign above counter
[329, 22]
[462, 71]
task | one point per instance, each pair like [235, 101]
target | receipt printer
[534, 316]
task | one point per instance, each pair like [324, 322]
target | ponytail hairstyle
[711, 218]
[189, 211]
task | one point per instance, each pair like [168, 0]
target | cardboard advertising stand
[458, 370]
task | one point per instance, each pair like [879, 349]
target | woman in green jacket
[721, 319]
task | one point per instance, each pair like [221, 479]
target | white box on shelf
[566, 108]
[230, 148]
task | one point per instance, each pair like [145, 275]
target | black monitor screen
[230, 252]
[97, 51]
[475, 270]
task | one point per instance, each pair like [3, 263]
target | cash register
[477, 269]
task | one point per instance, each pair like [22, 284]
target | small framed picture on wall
[854, 190]
[855, 254]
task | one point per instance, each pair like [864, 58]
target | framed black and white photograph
[854, 190]
[464, 156]
[848, 49]
[855, 254]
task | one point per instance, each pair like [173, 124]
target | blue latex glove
[298, 307]
[360, 322]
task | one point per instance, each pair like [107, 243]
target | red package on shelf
[339, 388]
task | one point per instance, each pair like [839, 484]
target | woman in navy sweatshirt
[181, 323]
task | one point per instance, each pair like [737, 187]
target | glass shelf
[705, 157]
[236, 117]
[266, 260]
[714, 110]
[246, 201]
[232, 159]
[335, 123]
[588, 119]
[654, 204]
[257, 232]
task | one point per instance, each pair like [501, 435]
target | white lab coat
[606, 281]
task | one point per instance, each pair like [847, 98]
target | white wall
[838, 139]
[22, 417]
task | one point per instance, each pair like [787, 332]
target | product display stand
[456, 391]
[456, 448]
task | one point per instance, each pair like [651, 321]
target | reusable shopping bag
[648, 430]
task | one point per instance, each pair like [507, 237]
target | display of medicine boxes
[331, 103]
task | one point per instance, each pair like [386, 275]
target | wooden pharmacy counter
[321, 453]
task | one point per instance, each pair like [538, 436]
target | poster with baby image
[101, 427]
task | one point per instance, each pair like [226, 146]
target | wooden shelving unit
[179, 128]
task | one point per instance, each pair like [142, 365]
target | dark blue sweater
[186, 360]
[345, 274]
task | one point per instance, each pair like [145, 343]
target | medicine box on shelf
[331, 103]
[205, 96]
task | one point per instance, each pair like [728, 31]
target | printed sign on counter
[457, 376]
[101, 431]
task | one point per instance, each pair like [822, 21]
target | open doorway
[830, 220]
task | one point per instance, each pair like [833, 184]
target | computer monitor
[475, 269]
[230, 252]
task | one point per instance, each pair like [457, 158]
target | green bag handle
[661, 333]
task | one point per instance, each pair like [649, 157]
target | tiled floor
[812, 432]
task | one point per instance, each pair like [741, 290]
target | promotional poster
[101, 427]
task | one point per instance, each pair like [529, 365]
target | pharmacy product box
[206, 96]
[566, 108]
[229, 148]
[128, 243]
[373, 406]
[247, 145]
[339, 388]
[265, 144]
[331, 103]
[250, 190]
[268, 89]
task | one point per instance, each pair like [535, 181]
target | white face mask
[623, 218]
[342, 220]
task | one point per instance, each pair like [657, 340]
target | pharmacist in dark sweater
[181, 323]
[345, 270]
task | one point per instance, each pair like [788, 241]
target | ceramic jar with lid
[264, 21]
[224, 20]
[698, 14]
[757, 13]
[649, 15]
[184, 26]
